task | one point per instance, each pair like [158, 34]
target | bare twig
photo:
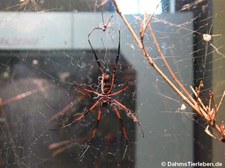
[207, 112]
[151, 62]
[167, 64]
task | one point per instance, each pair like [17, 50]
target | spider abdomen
[106, 101]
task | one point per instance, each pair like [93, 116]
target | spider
[105, 98]
[102, 26]
[207, 37]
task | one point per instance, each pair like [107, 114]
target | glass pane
[77, 88]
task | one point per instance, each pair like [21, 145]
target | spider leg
[123, 129]
[96, 57]
[103, 22]
[206, 54]
[96, 28]
[85, 113]
[89, 41]
[115, 66]
[93, 133]
[96, 126]
[118, 92]
[129, 113]
[91, 91]
[121, 123]
[106, 25]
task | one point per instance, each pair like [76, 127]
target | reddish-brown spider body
[105, 89]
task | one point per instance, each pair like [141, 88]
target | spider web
[46, 57]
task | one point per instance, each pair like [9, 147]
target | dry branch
[207, 112]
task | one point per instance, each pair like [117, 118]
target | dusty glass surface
[51, 82]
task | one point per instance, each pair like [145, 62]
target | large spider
[105, 97]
